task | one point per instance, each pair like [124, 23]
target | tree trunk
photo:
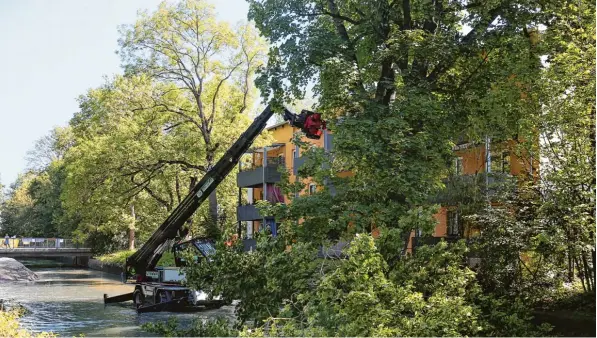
[588, 274]
[213, 214]
[132, 229]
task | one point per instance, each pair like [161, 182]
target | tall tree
[49, 148]
[33, 206]
[405, 79]
[129, 152]
[206, 61]
[566, 123]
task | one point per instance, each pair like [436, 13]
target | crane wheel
[138, 298]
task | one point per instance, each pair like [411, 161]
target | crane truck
[161, 288]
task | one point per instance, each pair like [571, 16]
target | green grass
[119, 258]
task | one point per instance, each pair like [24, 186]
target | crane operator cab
[162, 288]
[309, 122]
[201, 247]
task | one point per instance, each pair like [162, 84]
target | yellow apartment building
[258, 174]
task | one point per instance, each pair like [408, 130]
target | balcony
[297, 163]
[255, 175]
[249, 244]
[431, 240]
[247, 213]
[466, 187]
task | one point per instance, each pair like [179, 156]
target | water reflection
[70, 302]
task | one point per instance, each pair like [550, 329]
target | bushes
[119, 258]
[290, 293]
[9, 326]
[116, 258]
[218, 327]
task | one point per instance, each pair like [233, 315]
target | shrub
[9, 326]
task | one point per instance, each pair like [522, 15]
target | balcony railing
[298, 162]
[271, 161]
[462, 187]
[255, 174]
[247, 213]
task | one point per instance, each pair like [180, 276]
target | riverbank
[107, 267]
[114, 262]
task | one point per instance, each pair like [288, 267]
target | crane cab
[162, 288]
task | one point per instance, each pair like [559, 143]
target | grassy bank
[119, 258]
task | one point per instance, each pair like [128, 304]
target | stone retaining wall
[95, 264]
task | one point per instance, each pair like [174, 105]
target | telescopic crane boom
[146, 258]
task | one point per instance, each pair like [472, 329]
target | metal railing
[41, 243]
[259, 163]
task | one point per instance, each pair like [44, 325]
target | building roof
[270, 147]
[277, 125]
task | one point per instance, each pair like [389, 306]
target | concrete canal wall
[96, 264]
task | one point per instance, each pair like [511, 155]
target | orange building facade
[259, 173]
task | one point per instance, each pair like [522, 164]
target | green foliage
[288, 292]
[141, 141]
[9, 326]
[119, 258]
[218, 327]
[33, 206]
[521, 257]
[210, 67]
[260, 280]
[567, 124]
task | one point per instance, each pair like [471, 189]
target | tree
[206, 62]
[33, 206]
[399, 82]
[129, 153]
[49, 148]
[566, 124]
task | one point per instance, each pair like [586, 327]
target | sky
[54, 51]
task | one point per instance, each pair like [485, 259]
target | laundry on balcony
[274, 194]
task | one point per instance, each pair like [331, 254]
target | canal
[69, 302]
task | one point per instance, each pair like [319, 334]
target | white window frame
[456, 220]
[459, 160]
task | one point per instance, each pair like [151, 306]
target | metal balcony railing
[255, 174]
[271, 161]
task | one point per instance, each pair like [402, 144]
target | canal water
[69, 302]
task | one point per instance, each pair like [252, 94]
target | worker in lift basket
[309, 122]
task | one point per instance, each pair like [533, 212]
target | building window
[453, 219]
[500, 163]
[312, 188]
[458, 166]
[506, 162]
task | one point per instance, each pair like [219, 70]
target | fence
[34, 242]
